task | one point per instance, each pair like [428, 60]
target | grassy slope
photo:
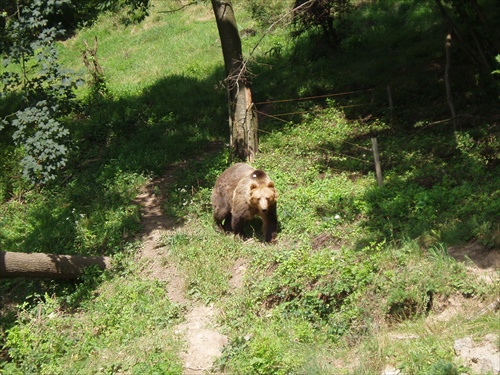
[355, 263]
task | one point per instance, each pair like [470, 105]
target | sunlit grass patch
[126, 327]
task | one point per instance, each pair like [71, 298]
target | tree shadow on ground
[177, 119]
[392, 71]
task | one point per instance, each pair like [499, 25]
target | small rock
[463, 344]
[391, 370]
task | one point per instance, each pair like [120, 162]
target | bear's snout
[263, 205]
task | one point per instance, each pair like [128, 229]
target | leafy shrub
[31, 64]
[43, 140]
[327, 17]
[47, 90]
[267, 12]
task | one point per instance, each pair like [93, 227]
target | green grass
[131, 134]
[164, 45]
[124, 333]
[333, 279]
[355, 264]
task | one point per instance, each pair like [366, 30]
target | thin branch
[179, 9]
[268, 30]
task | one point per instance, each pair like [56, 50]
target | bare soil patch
[482, 357]
[203, 340]
[154, 224]
[482, 262]
[238, 274]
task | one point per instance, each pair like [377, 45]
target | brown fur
[240, 193]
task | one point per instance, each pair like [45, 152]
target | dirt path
[204, 342]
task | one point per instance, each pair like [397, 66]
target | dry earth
[203, 340]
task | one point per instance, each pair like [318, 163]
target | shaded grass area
[141, 121]
[121, 137]
[110, 339]
[121, 144]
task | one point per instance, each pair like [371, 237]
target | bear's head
[263, 196]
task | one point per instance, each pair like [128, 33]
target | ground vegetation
[364, 279]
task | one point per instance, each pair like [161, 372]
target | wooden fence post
[378, 169]
[449, 95]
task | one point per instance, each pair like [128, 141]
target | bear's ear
[253, 186]
[270, 184]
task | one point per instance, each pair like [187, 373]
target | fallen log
[52, 266]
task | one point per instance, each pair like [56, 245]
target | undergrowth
[334, 279]
[355, 263]
[113, 339]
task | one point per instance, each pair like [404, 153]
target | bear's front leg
[238, 225]
[270, 224]
[228, 223]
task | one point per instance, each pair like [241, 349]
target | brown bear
[240, 193]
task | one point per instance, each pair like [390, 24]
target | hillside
[401, 278]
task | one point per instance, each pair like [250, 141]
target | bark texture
[48, 265]
[243, 122]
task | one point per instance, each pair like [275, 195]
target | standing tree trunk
[243, 123]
